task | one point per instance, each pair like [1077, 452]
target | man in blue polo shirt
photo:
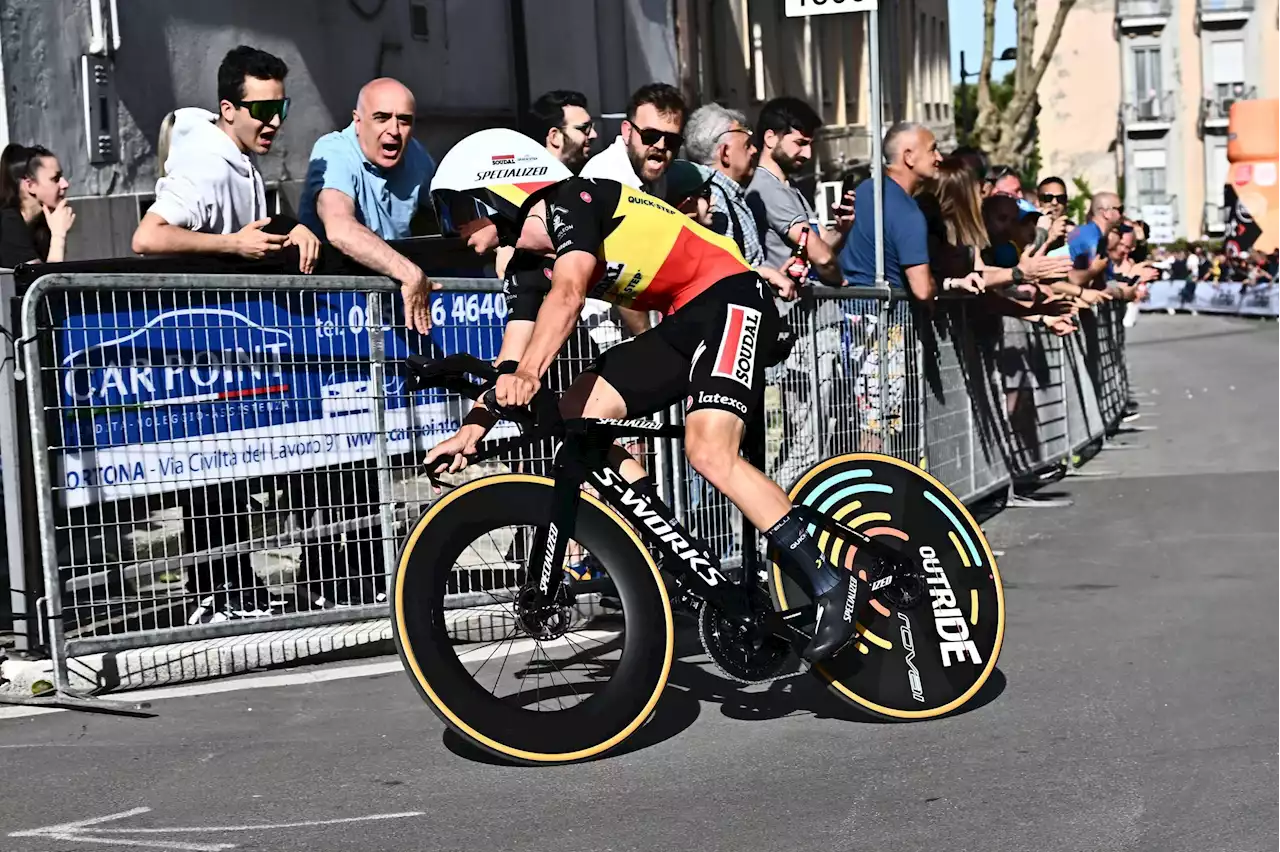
[1088, 243]
[911, 158]
[364, 186]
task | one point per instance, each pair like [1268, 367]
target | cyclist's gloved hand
[517, 389]
[450, 455]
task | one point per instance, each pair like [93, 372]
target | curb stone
[184, 662]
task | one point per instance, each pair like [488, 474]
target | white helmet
[499, 167]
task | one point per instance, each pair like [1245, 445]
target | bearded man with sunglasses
[652, 135]
[212, 199]
[560, 120]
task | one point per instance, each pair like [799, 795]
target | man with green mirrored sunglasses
[211, 198]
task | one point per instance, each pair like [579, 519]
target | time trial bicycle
[532, 614]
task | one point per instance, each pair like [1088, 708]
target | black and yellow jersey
[650, 256]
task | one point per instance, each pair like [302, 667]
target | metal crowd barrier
[221, 455]
[1227, 297]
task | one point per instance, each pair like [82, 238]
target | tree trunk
[988, 116]
[1008, 134]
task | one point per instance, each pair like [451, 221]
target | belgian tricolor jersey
[650, 256]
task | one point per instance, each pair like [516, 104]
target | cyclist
[615, 243]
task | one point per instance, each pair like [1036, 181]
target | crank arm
[788, 623]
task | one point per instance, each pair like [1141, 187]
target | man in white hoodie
[212, 199]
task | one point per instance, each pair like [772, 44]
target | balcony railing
[1210, 11]
[1143, 12]
[1216, 108]
[1215, 217]
[1155, 111]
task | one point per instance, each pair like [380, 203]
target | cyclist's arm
[558, 316]
[515, 339]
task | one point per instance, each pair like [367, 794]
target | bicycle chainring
[741, 653]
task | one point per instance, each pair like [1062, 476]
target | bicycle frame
[582, 459]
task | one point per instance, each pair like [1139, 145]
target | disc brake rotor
[908, 586]
[547, 621]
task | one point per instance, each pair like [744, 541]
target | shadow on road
[691, 684]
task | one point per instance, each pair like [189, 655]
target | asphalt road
[1135, 708]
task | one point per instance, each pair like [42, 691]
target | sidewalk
[182, 662]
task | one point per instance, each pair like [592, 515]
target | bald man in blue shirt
[365, 184]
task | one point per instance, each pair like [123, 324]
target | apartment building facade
[1168, 70]
[92, 79]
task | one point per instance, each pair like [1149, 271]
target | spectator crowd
[953, 223]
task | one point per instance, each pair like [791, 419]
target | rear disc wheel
[928, 659]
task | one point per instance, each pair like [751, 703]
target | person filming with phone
[212, 199]
[784, 137]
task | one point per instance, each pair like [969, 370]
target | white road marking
[64, 827]
[229, 685]
[76, 831]
[268, 827]
[294, 678]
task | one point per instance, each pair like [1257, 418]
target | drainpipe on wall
[97, 82]
[520, 60]
[4, 102]
[684, 26]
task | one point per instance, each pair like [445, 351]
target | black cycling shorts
[711, 353]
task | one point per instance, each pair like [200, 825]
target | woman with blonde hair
[162, 144]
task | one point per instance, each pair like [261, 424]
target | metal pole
[815, 386]
[42, 474]
[970, 426]
[377, 381]
[877, 139]
[877, 224]
[11, 459]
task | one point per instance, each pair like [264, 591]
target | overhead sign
[804, 8]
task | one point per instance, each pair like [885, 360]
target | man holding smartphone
[784, 137]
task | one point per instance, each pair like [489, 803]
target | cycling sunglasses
[585, 128]
[651, 137]
[264, 111]
[1046, 197]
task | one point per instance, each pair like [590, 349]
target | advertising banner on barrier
[1222, 298]
[1217, 298]
[1162, 295]
[1261, 300]
[166, 392]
